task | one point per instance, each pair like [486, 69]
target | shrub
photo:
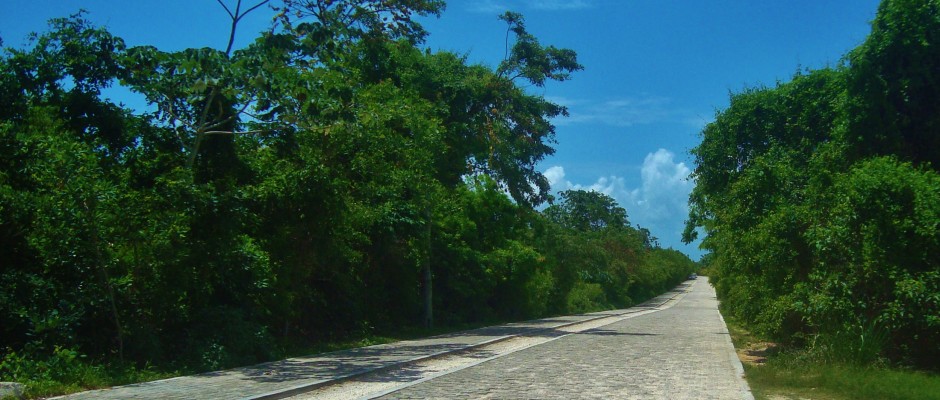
[586, 297]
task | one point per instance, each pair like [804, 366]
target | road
[680, 350]
[675, 346]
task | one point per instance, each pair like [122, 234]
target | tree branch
[203, 119]
[226, 8]
[207, 126]
[253, 8]
[237, 16]
[234, 133]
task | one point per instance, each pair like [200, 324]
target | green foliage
[529, 59]
[587, 211]
[599, 260]
[63, 365]
[65, 370]
[876, 251]
[837, 381]
[292, 191]
[816, 374]
[819, 199]
[586, 297]
[828, 370]
[892, 86]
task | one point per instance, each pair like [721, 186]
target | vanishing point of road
[675, 346]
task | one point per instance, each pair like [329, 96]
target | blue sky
[655, 71]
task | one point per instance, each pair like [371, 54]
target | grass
[791, 374]
[802, 380]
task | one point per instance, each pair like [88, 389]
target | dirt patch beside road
[756, 353]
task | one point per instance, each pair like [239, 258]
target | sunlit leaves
[587, 211]
[528, 59]
[353, 19]
[812, 233]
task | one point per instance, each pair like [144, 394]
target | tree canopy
[819, 198]
[313, 185]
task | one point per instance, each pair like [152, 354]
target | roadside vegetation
[778, 373]
[819, 199]
[332, 182]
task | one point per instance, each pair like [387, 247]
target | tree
[599, 259]
[587, 211]
[298, 189]
[810, 209]
[892, 86]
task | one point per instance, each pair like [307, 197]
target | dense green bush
[820, 199]
[876, 250]
[585, 297]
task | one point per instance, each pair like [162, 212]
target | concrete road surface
[675, 346]
[681, 352]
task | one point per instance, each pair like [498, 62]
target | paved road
[675, 346]
[301, 374]
[683, 352]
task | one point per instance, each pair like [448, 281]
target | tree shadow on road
[608, 332]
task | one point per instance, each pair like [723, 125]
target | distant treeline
[820, 198]
[300, 189]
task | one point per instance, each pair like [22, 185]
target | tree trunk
[427, 277]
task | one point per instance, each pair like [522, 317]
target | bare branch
[252, 9]
[203, 119]
[237, 16]
[176, 129]
[226, 8]
[506, 53]
[206, 126]
[231, 35]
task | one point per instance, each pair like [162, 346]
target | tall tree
[892, 84]
[587, 211]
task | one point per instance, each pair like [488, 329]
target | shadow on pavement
[607, 332]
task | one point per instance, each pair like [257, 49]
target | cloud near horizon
[660, 204]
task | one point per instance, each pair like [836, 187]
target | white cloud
[556, 178]
[495, 6]
[488, 6]
[555, 5]
[665, 188]
[659, 204]
[610, 186]
[621, 112]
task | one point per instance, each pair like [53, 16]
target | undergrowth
[819, 372]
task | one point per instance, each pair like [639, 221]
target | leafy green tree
[821, 231]
[755, 164]
[587, 211]
[599, 259]
[892, 84]
[315, 184]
